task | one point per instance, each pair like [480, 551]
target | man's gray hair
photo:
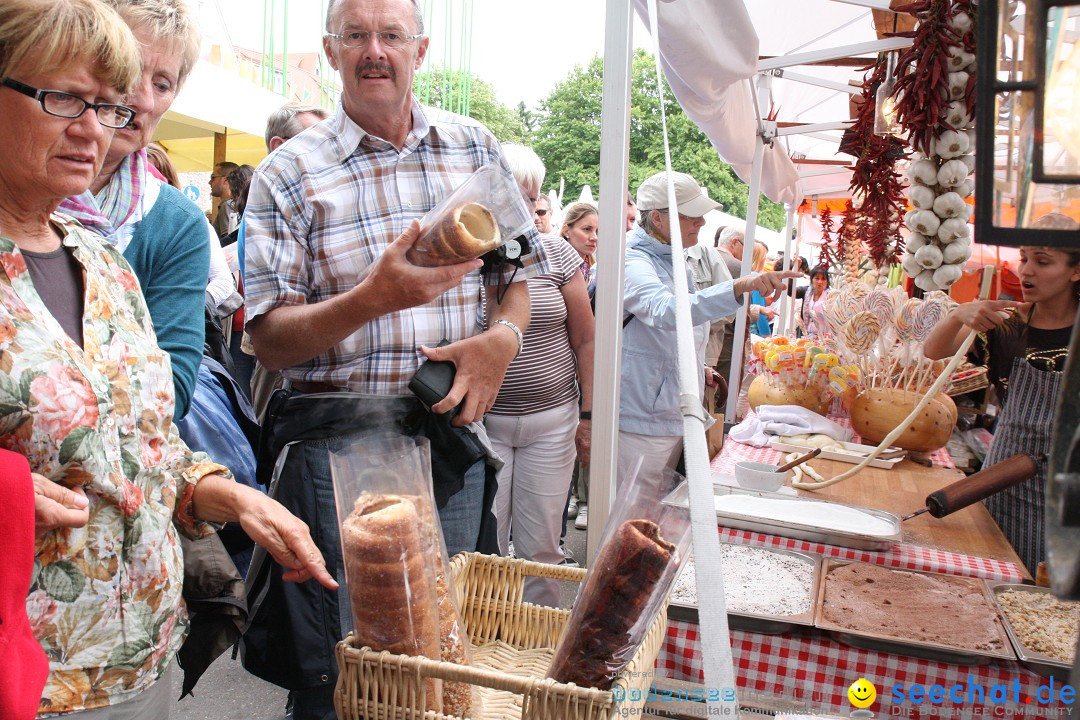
[726, 236]
[418, 15]
[282, 122]
[646, 222]
[525, 164]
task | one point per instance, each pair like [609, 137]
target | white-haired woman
[534, 423]
[162, 234]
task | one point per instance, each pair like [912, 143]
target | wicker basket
[512, 646]
[968, 380]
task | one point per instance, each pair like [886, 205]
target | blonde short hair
[170, 21]
[59, 34]
[760, 251]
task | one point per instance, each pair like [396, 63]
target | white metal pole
[736, 372]
[786, 300]
[614, 175]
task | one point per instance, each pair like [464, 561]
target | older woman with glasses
[85, 393]
[1024, 345]
[164, 236]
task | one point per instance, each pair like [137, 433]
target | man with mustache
[333, 303]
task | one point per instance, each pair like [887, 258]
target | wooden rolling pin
[978, 486]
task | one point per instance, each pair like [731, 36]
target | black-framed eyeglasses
[66, 105]
[361, 38]
[541, 212]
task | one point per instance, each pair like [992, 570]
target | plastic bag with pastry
[480, 215]
[641, 553]
[390, 476]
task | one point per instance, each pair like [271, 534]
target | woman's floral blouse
[105, 600]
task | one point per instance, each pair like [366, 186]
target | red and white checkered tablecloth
[902, 555]
[815, 671]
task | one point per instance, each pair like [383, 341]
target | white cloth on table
[780, 420]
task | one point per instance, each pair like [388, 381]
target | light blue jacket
[650, 375]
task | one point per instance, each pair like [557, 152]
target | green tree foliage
[434, 88]
[567, 138]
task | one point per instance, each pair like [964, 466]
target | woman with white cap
[650, 421]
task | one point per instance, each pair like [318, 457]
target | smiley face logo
[862, 693]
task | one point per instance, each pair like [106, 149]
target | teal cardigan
[170, 254]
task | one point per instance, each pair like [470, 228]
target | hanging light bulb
[885, 122]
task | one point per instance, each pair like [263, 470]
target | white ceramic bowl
[760, 476]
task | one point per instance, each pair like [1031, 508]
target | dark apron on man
[294, 627]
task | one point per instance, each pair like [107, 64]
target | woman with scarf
[164, 236]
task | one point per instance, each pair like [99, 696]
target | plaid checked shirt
[322, 209]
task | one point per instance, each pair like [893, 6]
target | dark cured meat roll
[596, 644]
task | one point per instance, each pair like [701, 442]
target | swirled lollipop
[907, 320]
[861, 332]
[932, 311]
[882, 303]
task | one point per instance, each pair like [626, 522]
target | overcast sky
[521, 48]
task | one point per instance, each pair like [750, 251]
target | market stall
[808, 670]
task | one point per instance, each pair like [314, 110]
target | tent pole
[614, 175]
[736, 373]
[786, 300]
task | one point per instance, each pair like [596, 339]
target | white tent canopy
[709, 50]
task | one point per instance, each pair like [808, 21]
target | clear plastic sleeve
[406, 605]
[484, 212]
[645, 543]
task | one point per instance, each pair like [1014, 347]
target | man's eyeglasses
[541, 212]
[361, 38]
[66, 105]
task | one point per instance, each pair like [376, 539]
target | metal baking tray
[1036, 661]
[903, 646]
[754, 622]
[888, 459]
[795, 530]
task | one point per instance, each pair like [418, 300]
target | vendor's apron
[1024, 427]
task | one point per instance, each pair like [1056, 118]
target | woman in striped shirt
[533, 424]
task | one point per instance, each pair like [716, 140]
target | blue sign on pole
[192, 193]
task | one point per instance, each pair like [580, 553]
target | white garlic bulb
[957, 252]
[949, 205]
[921, 196]
[952, 173]
[961, 22]
[925, 281]
[958, 84]
[952, 230]
[911, 265]
[969, 161]
[965, 188]
[958, 58]
[929, 257]
[946, 275]
[924, 222]
[956, 115]
[951, 144]
[914, 241]
[967, 212]
[923, 172]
